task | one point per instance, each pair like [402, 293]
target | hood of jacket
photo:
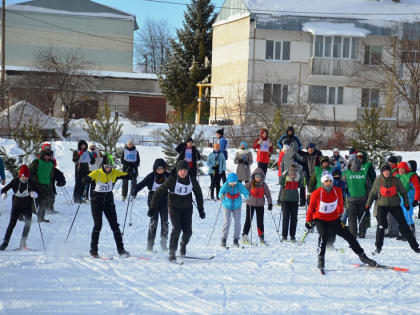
[404, 166]
[258, 171]
[79, 145]
[232, 178]
[244, 144]
[292, 130]
[413, 165]
[262, 132]
[157, 163]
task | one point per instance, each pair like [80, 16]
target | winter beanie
[393, 159]
[23, 170]
[311, 145]
[190, 140]
[325, 177]
[221, 132]
[290, 129]
[45, 145]
[181, 165]
[413, 165]
[385, 167]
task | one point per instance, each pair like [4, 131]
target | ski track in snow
[280, 278]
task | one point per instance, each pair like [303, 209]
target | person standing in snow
[315, 180]
[230, 193]
[325, 208]
[217, 166]
[102, 202]
[243, 159]
[2, 172]
[24, 190]
[82, 160]
[386, 190]
[97, 157]
[292, 139]
[290, 181]
[188, 152]
[153, 182]
[180, 187]
[131, 163]
[310, 159]
[413, 168]
[264, 148]
[258, 190]
[337, 161]
[51, 197]
[223, 148]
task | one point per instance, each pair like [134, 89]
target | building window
[275, 93]
[325, 95]
[336, 47]
[370, 98]
[373, 55]
[277, 50]
[410, 51]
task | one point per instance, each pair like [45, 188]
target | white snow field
[280, 278]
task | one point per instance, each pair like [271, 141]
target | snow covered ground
[281, 278]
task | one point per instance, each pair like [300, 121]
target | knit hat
[311, 145]
[23, 170]
[221, 132]
[216, 146]
[190, 140]
[91, 144]
[393, 159]
[45, 145]
[385, 167]
[405, 166]
[181, 165]
[325, 177]
[324, 159]
[413, 165]
[360, 153]
[336, 150]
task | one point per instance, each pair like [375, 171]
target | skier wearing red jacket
[324, 211]
[264, 148]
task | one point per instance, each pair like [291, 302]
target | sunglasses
[107, 166]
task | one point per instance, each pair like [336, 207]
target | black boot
[236, 243]
[321, 262]
[94, 250]
[183, 249]
[3, 246]
[123, 253]
[365, 259]
[223, 242]
[378, 250]
[413, 229]
[149, 247]
[172, 256]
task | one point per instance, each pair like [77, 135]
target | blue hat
[244, 143]
[232, 178]
[311, 145]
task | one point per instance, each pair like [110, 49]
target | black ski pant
[45, 200]
[263, 166]
[223, 176]
[398, 214]
[14, 215]
[290, 211]
[302, 196]
[328, 228]
[125, 185]
[181, 220]
[79, 187]
[356, 211]
[99, 206]
[260, 220]
[164, 225]
[215, 183]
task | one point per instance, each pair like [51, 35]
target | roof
[331, 29]
[73, 7]
[22, 113]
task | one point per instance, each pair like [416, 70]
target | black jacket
[195, 154]
[309, 161]
[81, 168]
[149, 181]
[131, 167]
[15, 185]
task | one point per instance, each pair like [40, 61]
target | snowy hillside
[280, 278]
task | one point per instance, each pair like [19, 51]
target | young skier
[230, 193]
[131, 163]
[103, 202]
[290, 182]
[180, 203]
[189, 153]
[258, 190]
[153, 182]
[386, 190]
[82, 160]
[97, 157]
[413, 168]
[223, 148]
[24, 190]
[243, 159]
[264, 148]
[325, 208]
[217, 166]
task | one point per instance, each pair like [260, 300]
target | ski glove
[415, 203]
[407, 206]
[270, 207]
[309, 225]
[3, 196]
[202, 213]
[33, 194]
[151, 212]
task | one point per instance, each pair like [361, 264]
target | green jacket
[315, 180]
[290, 195]
[358, 184]
[382, 201]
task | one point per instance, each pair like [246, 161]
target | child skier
[264, 148]
[131, 162]
[153, 182]
[258, 192]
[290, 182]
[232, 202]
[103, 202]
[217, 166]
[24, 190]
[180, 186]
[325, 208]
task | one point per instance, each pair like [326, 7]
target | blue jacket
[280, 142]
[223, 146]
[229, 203]
[216, 158]
[2, 173]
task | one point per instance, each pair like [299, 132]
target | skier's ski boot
[23, 244]
[417, 250]
[262, 242]
[94, 253]
[223, 243]
[123, 253]
[378, 250]
[292, 239]
[236, 243]
[245, 239]
[43, 220]
[3, 246]
[284, 238]
[183, 249]
[365, 259]
[172, 256]
[321, 262]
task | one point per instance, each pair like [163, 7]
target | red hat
[46, 144]
[24, 170]
[405, 166]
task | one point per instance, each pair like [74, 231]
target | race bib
[265, 146]
[155, 186]
[328, 207]
[85, 157]
[130, 156]
[103, 187]
[181, 189]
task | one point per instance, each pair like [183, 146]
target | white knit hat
[326, 176]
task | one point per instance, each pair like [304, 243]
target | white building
[306, 51]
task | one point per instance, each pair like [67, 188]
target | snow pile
[332, 29]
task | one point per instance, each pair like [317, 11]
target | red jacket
[327, 214]
[263, 151]
[281, 154]
[414, 180]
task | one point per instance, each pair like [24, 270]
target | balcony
[336, 67]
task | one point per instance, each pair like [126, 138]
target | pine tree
[105, 130]
[178, 132]
[373, 136]
[189, 57]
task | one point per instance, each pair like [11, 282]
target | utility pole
[3, 61]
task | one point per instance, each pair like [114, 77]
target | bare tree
[153, 44]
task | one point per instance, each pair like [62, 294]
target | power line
[294, 12]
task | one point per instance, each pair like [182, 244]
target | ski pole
[39, 225]
[74, 219]
[304, 237]
[217, 217]
[250, 220]
[126, 212]
[274, 221]
[65, 197]
[361, 220]
[281, 212]
[131, 214]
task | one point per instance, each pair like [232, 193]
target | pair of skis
[394, 268]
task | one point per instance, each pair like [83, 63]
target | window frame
[281, 54]
[369, 104]
[330, 41]
[338, 95]
[282, 97]
[368, 60]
